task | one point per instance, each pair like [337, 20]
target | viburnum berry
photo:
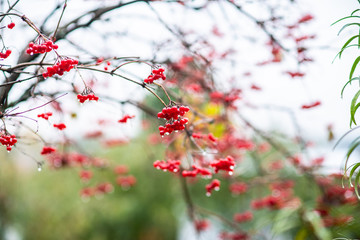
[64, 65]
[103, 188]
[196, 170]
[173, 112]
[226, 164]
[40, 48]
[126, 181]
[6, 54]
[214, 185]
[234, 236]
[174, 117]
[11, 25]
[169, 165]
[155, 75]
[45, 115]
[8, 141]
[85, 175]
[47, 150]
[243, 217]
[121, 169]
[60, 126]
[90, 97]
[125, 118]
[211, 137]
[201, 225]
[197, 135]
[238, 188]
[87, 192]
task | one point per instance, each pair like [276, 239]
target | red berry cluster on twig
[11, 25]
[196, 170]
[125, 118]
[45, 115]
[155, 75]
[47, 150]
[60, 126]
[243, 217]
[90, 97]
[59, 68]
[226, 164]
[173, 116]
[6, 54]
[41, 48]
[214, 185]
[169, 165]
[86, 175]
[8, 141]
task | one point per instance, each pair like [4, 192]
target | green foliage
[354, 106]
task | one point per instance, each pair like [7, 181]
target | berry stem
[166, 93]
[58, 24]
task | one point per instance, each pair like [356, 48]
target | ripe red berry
[47, 150]
[60, 126]
[11, 25]
[8, 141]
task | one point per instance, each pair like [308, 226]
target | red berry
[11, 25]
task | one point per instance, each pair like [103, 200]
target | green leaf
[354, 66]
[347, 25]
[301, 234]
[320, 231]
[352, 148]
[345, 18]
[357, 184]
[354, 12]
[340, 52]
[353, 107]
[349, 82]
[347, 43]
[353, 169]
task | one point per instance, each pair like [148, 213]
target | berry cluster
[125, 118]
[243, 217]
[201, 225]
[174, 112]
[226, 164]
[234, 236]
[8, 141]
[11, 25]
[210, 136]
[85, 175]
[47, 150]
[238, 188]
[196, 170]
[155, 75]
[103, 188]
[45, 115]
[41, 48]
[90, 97]
[59, 68]
[126, 181]
[214, 185]
[170, 165]
[60, 126]
[6, 54]
[174, 117]
[177, 125]
[271, 202]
